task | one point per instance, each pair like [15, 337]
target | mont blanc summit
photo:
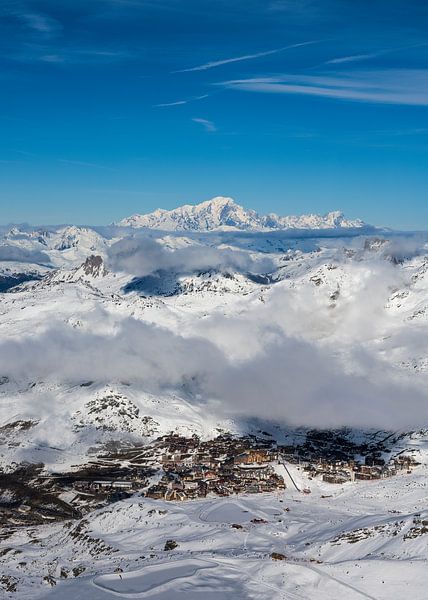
[223, 214]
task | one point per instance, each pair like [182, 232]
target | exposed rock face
[94, 266]
[113, 412]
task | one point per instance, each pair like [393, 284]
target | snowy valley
[161, 352]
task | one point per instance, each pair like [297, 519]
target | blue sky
[111, 107]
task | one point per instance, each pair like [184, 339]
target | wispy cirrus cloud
[389, 86]
[176, 103]
[52, 58]
[181, 102]
[218, 63]
[352, 58]
[209, 126]
[369, 55]
[41, 23]
[64, 55]
[81, 163]
[31, 35]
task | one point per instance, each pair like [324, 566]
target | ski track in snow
[213, 557]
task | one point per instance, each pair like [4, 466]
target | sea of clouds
[290, 358]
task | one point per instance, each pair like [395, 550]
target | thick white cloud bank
[286, 379]
[339, 339]
[10, 252]
[142, 256]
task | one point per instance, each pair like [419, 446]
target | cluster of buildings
[372, 467]
[223, 466]
[109, 488]
[175, 467]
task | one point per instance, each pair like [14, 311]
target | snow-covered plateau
[303, 335]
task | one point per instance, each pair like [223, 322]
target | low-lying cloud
[287, 379]
[302, 353]
[141, 256]
[11, 253]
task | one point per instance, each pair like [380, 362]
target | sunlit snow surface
[358, 542]
[333, 333]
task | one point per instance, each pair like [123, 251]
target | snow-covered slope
[224, 214]
[184, 337]
[366, 540]
[278, 334]
[53, 247]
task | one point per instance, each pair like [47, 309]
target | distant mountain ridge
[223, 214]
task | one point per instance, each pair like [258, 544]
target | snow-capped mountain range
[113, 337]
[189, 290]
[223, 214]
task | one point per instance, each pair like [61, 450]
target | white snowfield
[124, 334]
[354, 541]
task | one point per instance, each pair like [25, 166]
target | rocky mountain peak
[224, 214]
